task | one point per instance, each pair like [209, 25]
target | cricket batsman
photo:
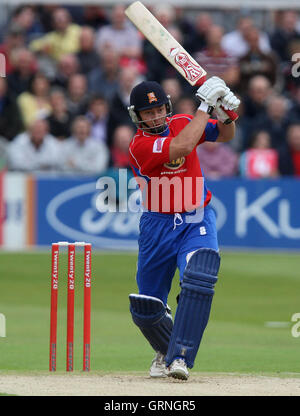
[178, 225]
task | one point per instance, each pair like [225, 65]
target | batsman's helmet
[147, 95]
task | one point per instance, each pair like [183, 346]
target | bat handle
[232, 116]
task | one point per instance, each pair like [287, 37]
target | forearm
[187, 139]
[38, 44]
[211, 92]
[226, 131]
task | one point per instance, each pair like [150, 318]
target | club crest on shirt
[151, 97]
[175, 164]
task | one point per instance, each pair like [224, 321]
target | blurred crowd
[70, 71]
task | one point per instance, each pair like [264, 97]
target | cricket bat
[165, 43]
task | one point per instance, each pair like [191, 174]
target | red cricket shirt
[170, 186]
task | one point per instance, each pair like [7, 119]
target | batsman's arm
[226, 131]
[184, 143]
[187, 139]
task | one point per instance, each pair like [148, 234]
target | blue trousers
[164, 244]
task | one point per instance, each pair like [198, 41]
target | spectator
[185, 105]
[260, 160]
[14, 39]
[235, 43]
[119, 35]
[118, 113]
[217, 160]
[165, 14]
[10, 117]
[25, 66]
[256, 62]
[177, 34]
[26, 17]
[98, 116]
[95, 16]
[289, 154]
[285, 33]
[44, 12]
[215, 60]
[275, 120]
[156, 64]
[295, 110]
[60, 118]
[87, 56]
[158, 67]
[173, 88]
[77, 95]
[120, 160]
[197, 41]
[120, 148]
[82, 154]
[67, 66]
[34, 150]
[64, 39]
[104, 80]
[35, 103]
[259, 90]
[3, 152]
[254, 105]
[76, 12]
[185, 23]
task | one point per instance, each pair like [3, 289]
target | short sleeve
[148, 154]
[211, 132]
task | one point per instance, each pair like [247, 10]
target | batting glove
[220, 113]
[230, 101]
[209, 92]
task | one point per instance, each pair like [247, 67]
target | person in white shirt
[120, 34]
[35, 150]
[81, 153]
[235, 43]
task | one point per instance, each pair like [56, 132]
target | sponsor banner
[17, 209]
[67, 210]
[44, 209]
[257, 213]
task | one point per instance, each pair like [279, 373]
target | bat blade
[165, 43]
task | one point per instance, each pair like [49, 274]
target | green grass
[252, 289]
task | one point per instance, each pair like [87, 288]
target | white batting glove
[230, 101]
[209, 92]
[220, 113]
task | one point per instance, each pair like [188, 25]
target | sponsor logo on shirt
[158, 145]
[175, 164]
